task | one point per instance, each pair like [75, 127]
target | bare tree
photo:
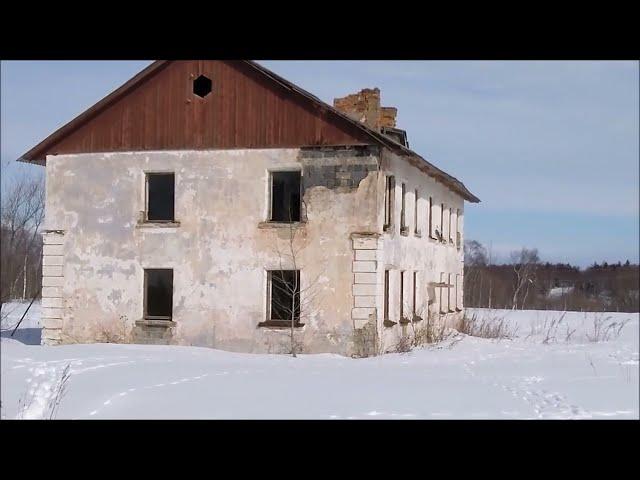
[21, 217]
[525, 263]
[475, 262]
[301, 301]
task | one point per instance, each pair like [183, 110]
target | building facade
[213, 203]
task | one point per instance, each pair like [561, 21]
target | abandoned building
[214, 203]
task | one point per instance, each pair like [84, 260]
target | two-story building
[214, 203]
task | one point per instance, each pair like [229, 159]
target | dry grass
[494, 327]
[423, 332]
[429, 333]
[117, 331]
[603, 329]
[58, 392]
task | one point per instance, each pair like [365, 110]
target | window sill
[273, 224]
[280, 324]
[389, 323]
[387, 228]
[404, 231]
[158, 224]
[404, 321]
[155, 322]
[417, 234]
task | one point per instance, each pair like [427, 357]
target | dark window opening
[430, 217]
[386, 295]
[160, 197]
[450, 229]
[401, 295]
[403, 220]
[451, 292]
[458, 234]
[202, 86]
[415, 288]
[388, 202]
[284, 287]
[285, 196]
[415, 212]
[158, 283]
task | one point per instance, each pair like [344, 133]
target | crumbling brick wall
[364, 106]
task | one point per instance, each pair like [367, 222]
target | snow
[29, 330]
[537, 374]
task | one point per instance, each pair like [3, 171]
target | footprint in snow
[123, 394]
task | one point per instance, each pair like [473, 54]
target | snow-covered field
[462, 378]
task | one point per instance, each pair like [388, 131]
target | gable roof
[39, 151]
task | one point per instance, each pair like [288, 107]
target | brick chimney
[364, 106]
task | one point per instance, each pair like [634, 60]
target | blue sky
[550, 147]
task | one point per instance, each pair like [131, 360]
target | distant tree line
[525, 282]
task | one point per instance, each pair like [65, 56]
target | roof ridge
[157, 65]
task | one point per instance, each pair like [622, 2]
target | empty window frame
[442, 295]
[388, 201]
[415, 212]
[450, 225]
[430, 213]
[451, 303]
[158, 294]
[401, 295]
[415, 289]
[285, 196]
[284, 297]
[442, 221]
[386, 295]
[458, 292]
[160, 188]
[458, 229]
[403, 209]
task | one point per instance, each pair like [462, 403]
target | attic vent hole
[202, 86]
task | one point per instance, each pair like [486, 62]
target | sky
[550, 147]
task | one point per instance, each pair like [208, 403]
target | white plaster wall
[412, 253]
[218, 253]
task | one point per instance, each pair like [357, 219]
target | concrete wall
[220, 251]
[221, 248]
[411, 252]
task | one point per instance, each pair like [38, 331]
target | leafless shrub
[568, 334]
[304, 300]
[426, 329]
[24, 402]
[59, 392]
[550, 329]
[404, 344]
[490, 327]
[114, 332]
[433, 331]
[603, 329]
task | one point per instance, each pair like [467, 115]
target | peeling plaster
[218, 253]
